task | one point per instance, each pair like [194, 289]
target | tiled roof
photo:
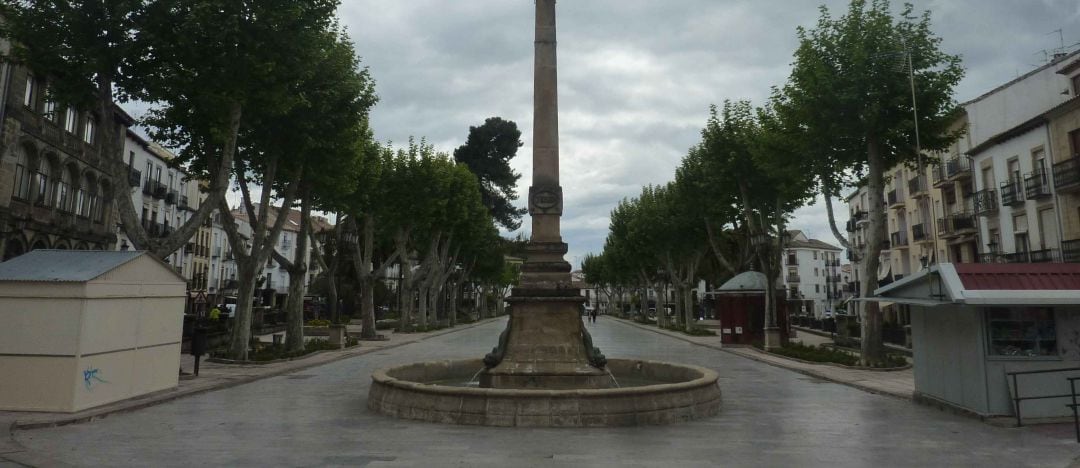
[318, 223]
[1019, 276]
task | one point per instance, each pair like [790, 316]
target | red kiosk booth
[740, 305]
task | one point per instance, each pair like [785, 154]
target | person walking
[594, 315]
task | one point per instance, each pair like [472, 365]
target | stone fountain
[545, 370]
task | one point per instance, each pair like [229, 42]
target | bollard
[198, 345]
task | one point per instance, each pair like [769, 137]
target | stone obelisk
[545, 344]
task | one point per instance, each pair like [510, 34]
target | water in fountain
[613, 379]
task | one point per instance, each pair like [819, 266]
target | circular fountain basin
[651, 393]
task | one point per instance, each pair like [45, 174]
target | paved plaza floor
[770, 417]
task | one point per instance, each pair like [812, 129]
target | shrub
[816, 354]
[318, 323]
[387, 324]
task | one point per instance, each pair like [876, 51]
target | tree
[487, 153]
[853, 107]
[235, 71]
[330, 149]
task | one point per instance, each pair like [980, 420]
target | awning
[986, 284]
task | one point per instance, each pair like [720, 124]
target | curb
[776, 364]
[166, 396]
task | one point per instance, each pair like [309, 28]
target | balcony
[1034, 256]
[832, 263]
[134, 177]
[183, 202]
[895, 199]
[919, 233]
[155, 189]
[215, 252]
[917, 187]
[985, 202]
[1067, 174]
[958, 168]
[1070, 251]
[957, 224]
[990, 257]
[1012, 193]
[939, 176]
[171, 198]
[792, 279]
[1036, 185]
[899, 239]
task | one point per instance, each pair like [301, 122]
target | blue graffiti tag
[89, 376]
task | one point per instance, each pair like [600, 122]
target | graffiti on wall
[91, 378]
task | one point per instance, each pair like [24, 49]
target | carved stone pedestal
[545, 346]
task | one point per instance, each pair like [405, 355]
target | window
[1022, 332]
[70, 119]
[817, 288]
[43, 182]
[80, 201]
[50, 109]
[28, 92]
[1076, 85]
[22, 175]
[149, 171]
[63, 191]
[88, 130]
[815, 255]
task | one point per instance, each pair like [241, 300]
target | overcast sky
[636, 77]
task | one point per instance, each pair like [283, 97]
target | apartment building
[161, 195]
[1022, 170]
[275, 278]
[810, 274]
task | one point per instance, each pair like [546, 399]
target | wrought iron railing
[1036, 185]
[1012, 193]
[919, 232]
[899, 238]
[1070, 250]
[985, 202]
[1067, 173]
[958, 167]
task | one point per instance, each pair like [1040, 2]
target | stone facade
[55, 187]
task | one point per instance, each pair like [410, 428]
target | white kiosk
[80, 329]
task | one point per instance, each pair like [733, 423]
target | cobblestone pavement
[770, 417]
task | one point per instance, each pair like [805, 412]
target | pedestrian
[594, 315]
[215, 314]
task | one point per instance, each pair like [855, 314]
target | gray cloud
[637, 76]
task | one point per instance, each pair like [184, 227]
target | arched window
[88, 129]
[63, 190]
[43, 174]
[30, 91]
[104, 201]
[22, 174]
[82, 198]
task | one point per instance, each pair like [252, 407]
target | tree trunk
[294, 314]
[241, 332]
[680, 318]
[297, 268]
[367, 308]
[422, 312]
[872, 350]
